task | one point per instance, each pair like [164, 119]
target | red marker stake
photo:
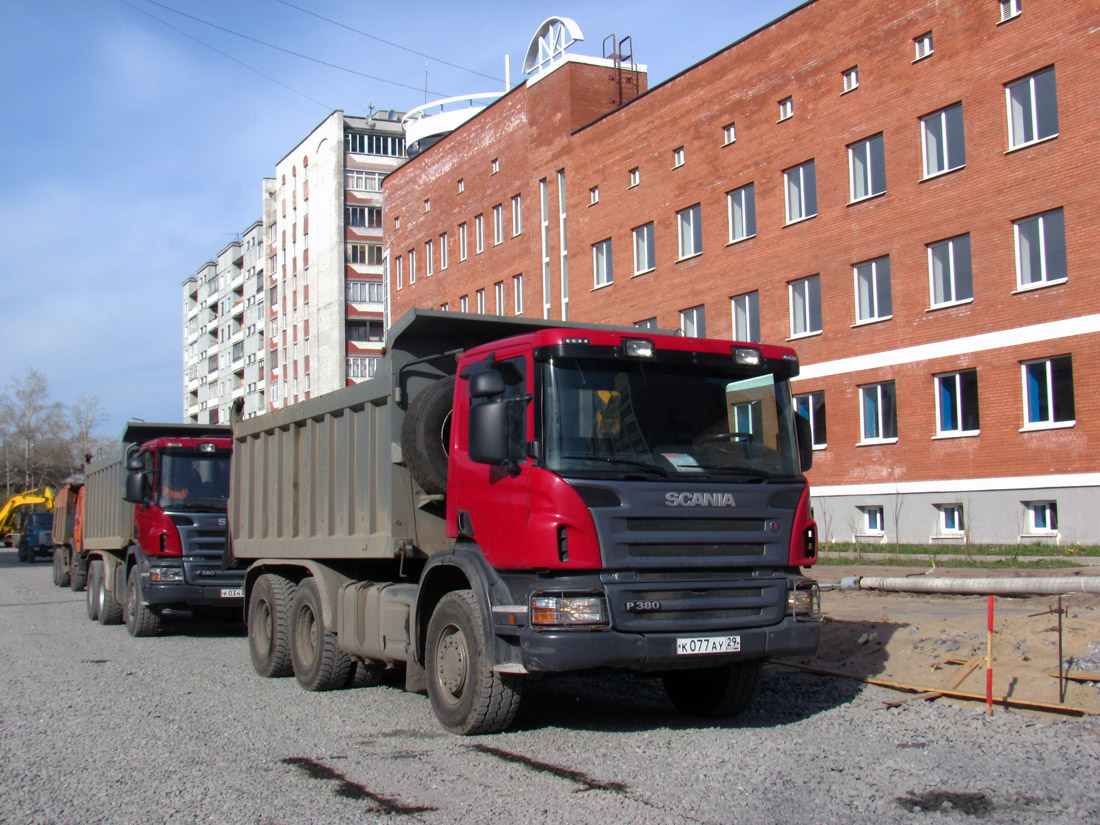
[989, 664]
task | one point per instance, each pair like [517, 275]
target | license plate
[708, 644]
[232, 593]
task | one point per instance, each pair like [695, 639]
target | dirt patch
[929, 640]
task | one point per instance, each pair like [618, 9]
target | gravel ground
[97, 727]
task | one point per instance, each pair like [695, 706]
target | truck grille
[701, 605]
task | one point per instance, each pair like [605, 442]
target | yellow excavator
[39, 495]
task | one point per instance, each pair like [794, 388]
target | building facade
[903, 193]
[223, 332]
[323, 227]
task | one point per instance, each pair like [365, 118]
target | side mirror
[488, 437]
[805, 441]
[135, 488]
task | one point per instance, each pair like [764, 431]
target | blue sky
[135, 138]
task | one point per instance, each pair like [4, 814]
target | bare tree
[36, 438]
[86, 414]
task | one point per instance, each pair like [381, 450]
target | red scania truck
[508, 499]
[152, 531]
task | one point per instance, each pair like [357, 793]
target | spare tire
[426, 435]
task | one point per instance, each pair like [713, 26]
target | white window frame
[952, 382]
[693, 321]
[878, 295]
[412, 267]
[429, 258]
[741, 212]
[947, 256]
[480, 301]
[498, 296]
[850, 79]
[463, 242]
[494, 166]
[464, 303]
[745, 311]
[922, 46]
[951, 520]
[795, 178]
[1028, 109]
[1009, 9]
[635, 177]
[807, 289]
[443, 254]
[461, 186]
[602, 264]
[1046, 224]
[517, 215]
[479, 233]
[729, 133]
[786, 109]
[863, 156]
[879, 420]
[644, 249]
[593, 196]
[398, 272]
[498, 224]
[807, 403]
[689, 225]
[1042, 518]
[517, 293]
[678, 157]
[936, 134]
[1047, 395]
[874, 521]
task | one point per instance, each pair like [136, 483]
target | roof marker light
[638, 347]
[746, 356]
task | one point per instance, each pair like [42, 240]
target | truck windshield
[638, 417]
[190, 481]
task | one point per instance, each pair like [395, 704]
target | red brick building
[905, 193]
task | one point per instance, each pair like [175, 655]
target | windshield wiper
[645, 465]
[763, 475]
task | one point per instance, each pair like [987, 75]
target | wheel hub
[452, 661]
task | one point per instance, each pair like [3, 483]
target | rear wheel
[141, 619]
[467, 696]
[269, 625]
[95, 573]
[319, 663]
[60, 567]
[108, 610]
[365, 674]
[78, 579]
[715, 692]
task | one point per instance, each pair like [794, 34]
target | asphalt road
[98, 727]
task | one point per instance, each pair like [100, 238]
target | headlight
[563, 610]
[165, 574]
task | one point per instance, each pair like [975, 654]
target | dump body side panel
[108, 519]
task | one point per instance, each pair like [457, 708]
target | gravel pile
[97, 727]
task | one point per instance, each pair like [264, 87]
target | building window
[461, 186]
[942, 137]
[801, 191]
[677, 157]
[950, 519]
[363, 216]
[850, 78]
[690, 222]
[949, 273]
[601, 263]
[494, 166]
[805, 294]
[517, 215]
[873, 301]
[811, 405]
[479, 233]
[427, 204]
[867, 168]
[729, 134]
[1042, 517]
[1048, 392]
[443, 251]
[364, 331]
[444, 307]
[429, 258]
[517, 293]
[361, 180]
[463, 250]
[498, 296]
[746, 317]
[360, 143]
[693, 322]
[481, 302]
[498, 224]
[412, 267]
[397, 272]
[464, 303]
[648, 323]
[873, 522]
[786, 108]
[742, 212]
[878, 412]
[635, 176]
[360, 292]
[1032, 109]
[593, 195]
[1041, 249]
[644, 255]
[957, 403]
[922, 46]
[1009, 9]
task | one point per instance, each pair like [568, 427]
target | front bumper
[178, 593]
[578, 650]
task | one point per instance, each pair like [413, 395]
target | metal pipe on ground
[1019, 586]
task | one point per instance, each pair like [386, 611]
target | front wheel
[467, 697]
[141, 620]
[714, 693]
[319, 663]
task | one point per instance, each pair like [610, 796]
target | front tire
[141, 620]
[714, 693]
[269, 625]
[319, 663]
[467, 697]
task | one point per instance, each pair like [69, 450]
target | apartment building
[223, 332]
[905, 193]
[323, 232]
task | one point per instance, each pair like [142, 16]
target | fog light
[804, 602]
[165, 574]
[561, 610]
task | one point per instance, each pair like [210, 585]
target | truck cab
[36, 536]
